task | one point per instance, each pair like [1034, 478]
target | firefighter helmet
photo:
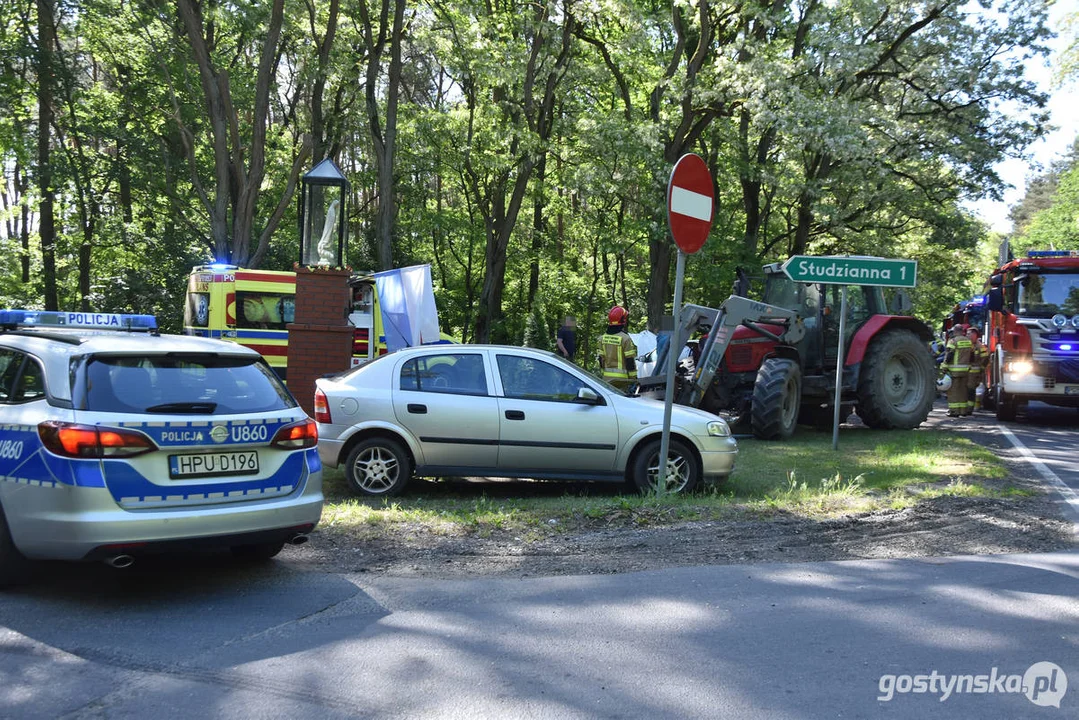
[617, 315]
[944, 383]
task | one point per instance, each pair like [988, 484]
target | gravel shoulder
[938, 526]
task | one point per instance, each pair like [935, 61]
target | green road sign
[845, 270]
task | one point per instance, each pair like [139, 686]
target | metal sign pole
[672, 363]
[839, 368]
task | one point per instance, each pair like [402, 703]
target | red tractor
[772, 364]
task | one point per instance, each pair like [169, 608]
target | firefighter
[957, 353]
[618, 353]
[979, 358]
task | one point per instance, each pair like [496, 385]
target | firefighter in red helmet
[617, 351]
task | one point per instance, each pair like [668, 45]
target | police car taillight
[322, 408]
[294, 437]
[90, 441]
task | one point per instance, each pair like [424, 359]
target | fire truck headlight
[1019, 368]
[1060, 321]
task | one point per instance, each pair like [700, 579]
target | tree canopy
[522, 149]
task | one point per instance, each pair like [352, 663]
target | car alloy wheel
[683, 471]
[378, 466]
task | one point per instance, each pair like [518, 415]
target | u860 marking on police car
[202, 465]
[11, 449]
[250, 433]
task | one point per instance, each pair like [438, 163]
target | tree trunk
[659, 255]
[319, 140]
[46, 222]
[804, 223]
[84, 266]
[539, 228]
[387, 203]
[238, 180]
[539, 114]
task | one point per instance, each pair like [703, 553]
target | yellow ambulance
[255, 307]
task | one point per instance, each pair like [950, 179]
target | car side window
[532, 379]
[456, 373]
[10, 362]
[31, 384]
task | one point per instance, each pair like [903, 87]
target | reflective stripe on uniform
[611, 348]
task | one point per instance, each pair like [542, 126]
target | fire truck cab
[1033, 332]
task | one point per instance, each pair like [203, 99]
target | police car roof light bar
[46, 319]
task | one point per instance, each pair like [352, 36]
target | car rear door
[542, 427]
[443, 398]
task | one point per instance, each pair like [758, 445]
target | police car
[116, 441]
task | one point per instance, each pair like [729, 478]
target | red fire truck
[1033, 332]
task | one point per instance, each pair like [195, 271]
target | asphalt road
[212, 638]
[1051, 434]
[219, 640]
[1044, 438]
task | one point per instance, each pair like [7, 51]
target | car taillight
[293, 437]
[91, 441]
[322, 408]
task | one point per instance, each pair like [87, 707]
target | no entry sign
[690, 201]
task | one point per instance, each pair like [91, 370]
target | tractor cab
[819, 306]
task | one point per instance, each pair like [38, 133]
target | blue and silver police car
[116, 441]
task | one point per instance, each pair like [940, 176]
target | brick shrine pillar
[320, 337]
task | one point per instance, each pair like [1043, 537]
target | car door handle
[417, 409]
[515, 415]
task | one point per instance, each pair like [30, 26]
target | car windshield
[1048, 294]
[179, 384]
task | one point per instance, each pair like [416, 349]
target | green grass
[802, 476]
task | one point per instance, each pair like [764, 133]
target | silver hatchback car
[492, 411]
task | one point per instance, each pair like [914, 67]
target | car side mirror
[995, 299]
[588, 396]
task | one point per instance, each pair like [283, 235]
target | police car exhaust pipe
[120, 561]
[297, 540]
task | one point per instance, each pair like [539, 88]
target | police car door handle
[417, 409]
[515, 415]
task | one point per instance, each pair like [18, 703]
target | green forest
[522, 149]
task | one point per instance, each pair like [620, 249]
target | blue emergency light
[1052, 253]
[81, 320]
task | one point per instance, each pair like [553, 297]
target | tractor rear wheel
[777, 397]
[897, 382]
